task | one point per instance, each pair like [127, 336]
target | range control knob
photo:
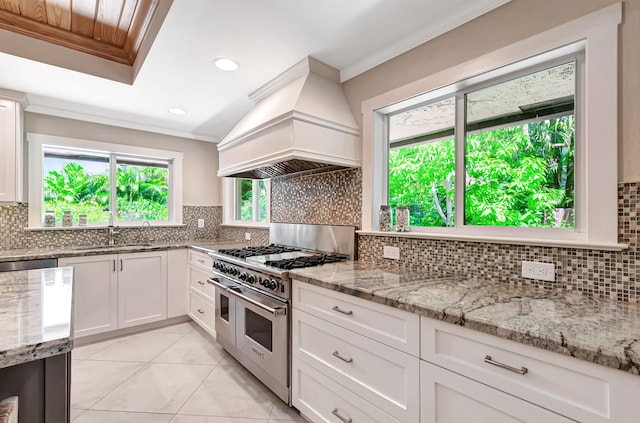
[234, 271]
[251, 278]
[272, 285]
[243, 276]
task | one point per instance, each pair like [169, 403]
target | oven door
[261, 332]
[225, 312]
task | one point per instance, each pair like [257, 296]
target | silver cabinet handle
[346, 360]
[114, 265]
[201, 283]
[121, 266]
[522, 371]
[201, 311]
[336, 413]
[339, 310]
[200, 261]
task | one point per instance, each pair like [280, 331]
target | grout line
[197, 388]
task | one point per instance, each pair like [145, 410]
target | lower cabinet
[118, 291]
[450, 398]
[201, 293]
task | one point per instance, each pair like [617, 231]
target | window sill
[504, 240]
[84, 228]
[255, 225]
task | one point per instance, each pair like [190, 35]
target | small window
[517, 136]
[142, 189]
[250, 200]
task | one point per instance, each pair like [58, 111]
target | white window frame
[231, 203]
[38, 143]
[597, 132]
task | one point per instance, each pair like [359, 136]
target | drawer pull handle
[336, 413]
[201, 311]
[522, 371]
[201, 261]
[201, 283]
[339, 310]
[346, 360]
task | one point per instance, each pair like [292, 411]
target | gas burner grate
[257, 251]
[310, 261]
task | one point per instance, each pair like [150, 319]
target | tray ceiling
[110, 29]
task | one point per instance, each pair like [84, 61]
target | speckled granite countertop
[78, 251]
[35, 314]
[597, 330]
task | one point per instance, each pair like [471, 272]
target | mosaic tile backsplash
[13, 220]
[259, 236]
[333, 198]
[611, 274]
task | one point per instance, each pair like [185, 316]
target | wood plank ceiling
[111, 29]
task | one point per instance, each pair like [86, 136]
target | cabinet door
[11, 147]
[95, 293]
[177, 283]
[450, 398]
[142, 288]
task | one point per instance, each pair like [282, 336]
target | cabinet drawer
[579, 390]
[202, 311]
[378, 373]
[322, 400]
[201, 260]
[198, 281]
[450, 398]
[391, 326]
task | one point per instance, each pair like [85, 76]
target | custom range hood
[301, 123]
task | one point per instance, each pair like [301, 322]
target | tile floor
[176, 374]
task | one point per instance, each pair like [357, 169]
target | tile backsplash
[14, 220]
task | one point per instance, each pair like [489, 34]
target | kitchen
[597, 275]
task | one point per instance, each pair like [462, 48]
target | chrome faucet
[112, 231]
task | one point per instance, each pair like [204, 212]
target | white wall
[201, 185]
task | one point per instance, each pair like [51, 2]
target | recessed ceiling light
[226, 64]
[177, 111]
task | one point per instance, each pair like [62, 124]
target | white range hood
[301, 123]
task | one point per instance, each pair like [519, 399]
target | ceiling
[176, 70]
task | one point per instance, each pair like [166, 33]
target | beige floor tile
[205, 419]
[282, 412]
[93, 416]
[86, 351]
[230, 391]
[157, 388]
[197, 347]
[180, 328]
[142, 347]
[75, 413]
[92, 380]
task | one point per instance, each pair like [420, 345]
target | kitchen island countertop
[35, 314]
[598, 330]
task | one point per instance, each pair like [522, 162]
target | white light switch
[200, 223]
[247, 236]
[541, 271]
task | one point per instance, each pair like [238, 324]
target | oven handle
[275, 311]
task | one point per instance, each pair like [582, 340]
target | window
[133, 184]
[505, 147]
[246, 201]
[518, 147]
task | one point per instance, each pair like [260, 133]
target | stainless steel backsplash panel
[331, 238]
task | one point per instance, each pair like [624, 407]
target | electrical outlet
[200, 223]
[541, 271]
[247, 236]
[391, 252]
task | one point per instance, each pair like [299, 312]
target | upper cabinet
[11, 146]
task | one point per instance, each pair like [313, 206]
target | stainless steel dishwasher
[10, 266]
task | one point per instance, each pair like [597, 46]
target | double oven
[253, 295]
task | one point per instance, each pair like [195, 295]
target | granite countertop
[598, 330]
[35, 314]
[83, 250]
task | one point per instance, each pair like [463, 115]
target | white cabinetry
[118, 291]
[177, 283]
[95, 293]
[365, 351]
[201, 293]
[142, 288]
[11, 145]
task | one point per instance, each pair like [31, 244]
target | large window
[517, 146]
[517, 139]
[100, 180]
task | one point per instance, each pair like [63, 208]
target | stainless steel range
[253, 295]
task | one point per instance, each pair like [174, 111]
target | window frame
[596, 120]
[231, 204]
[39, 142]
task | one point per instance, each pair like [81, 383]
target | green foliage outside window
[520, 176]
[141, 192]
